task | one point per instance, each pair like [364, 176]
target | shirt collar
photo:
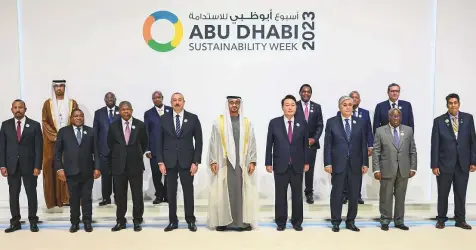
[343, 118]
[76, 128]
[286, 119]
[396, 103]
[180, 114]
[391, 128]
[22, 120]
[124, 121]
[451, 116]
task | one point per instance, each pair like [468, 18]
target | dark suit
[365, 116]
[78, 162]
[127, 165]
[153, 125]
[346, 158]
[101, 127]
[381, 114]
[21, 158]
[178, 153]
[453, 156]
[288, 160]
[315, 127]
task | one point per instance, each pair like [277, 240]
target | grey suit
[394, 162]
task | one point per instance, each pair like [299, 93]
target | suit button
[126, 154]
[18, 156]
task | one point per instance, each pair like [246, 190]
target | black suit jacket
[279, 150]
[336, 145]
[315, 123]
[28, 153]
[76, 158]
[172, 148]
[446, 149]
[127, 158]
[101, 126]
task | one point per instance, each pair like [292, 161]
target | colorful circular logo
[162, 47]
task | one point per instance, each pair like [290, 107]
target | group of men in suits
[172, 139]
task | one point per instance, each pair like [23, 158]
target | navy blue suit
[453, 156]
[153, 126]
[288, 160]
[381, 114]
[101, 127]
[315, 127]
[365, 116]
[346, 158]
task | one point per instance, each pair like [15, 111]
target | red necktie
[18, 131]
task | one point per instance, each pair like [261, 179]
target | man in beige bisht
[56, 114]
[232, 159]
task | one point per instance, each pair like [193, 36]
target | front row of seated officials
[453, 156]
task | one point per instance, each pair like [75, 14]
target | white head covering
[228, 131]
[65, 107]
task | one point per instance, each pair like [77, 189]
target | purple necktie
[127, 133]
[18, 130]
[290, 132]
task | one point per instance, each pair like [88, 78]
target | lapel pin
[166, 110]
[447, 121]
[133, 127]
[402, 134]
[400, 107]
[27, 125]
[297, 124]
[360, 115]
[84, 132]
[312, 110]
[117, 112]
[461, 120]
[354, 122]
[185, 120]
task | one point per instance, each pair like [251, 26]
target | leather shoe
[74, 228]
[384, 227]
[247, 228]
[104, 202]
[280, 228]
[171, 227]
[440, 224]
[351, 226]
[157, 200]
[335, 228]
[309, 199]
[463, 225]
[402, 227]
[34, 227]
[221, 228]
[13, 228]
[87, 227]
[360, 201]
[344, 200]
[297, 228]
[118, 227]
[137, 227]
[192, 227]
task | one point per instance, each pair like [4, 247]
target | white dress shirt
[391, 103]
[22, 124]
[350, 122]
[75, 129]
[180, 118]
[160, 111]
[303, 104]
[286, 124]
[130, 128]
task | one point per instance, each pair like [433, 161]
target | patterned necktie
[127, 133]
[78, 135]
[393, 105]
[347, 129]
[110, 116]
[306, 111]
[177, 128]
[396, 139]
[455, 125]
[18, 130]
[160, 112]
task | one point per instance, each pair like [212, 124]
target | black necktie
[110, 116]
[177, 128]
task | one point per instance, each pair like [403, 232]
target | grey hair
[354, 92]
[344, 98]
[125, 103]
[157, 92]
[393, 109]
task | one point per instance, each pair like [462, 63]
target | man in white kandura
[232, 159]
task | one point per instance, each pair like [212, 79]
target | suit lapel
[449, 125]
[390, 136]
[133, 129]
[14, 130]
[284, 128]
[342, 128]
[121, 131]
[185, 124]
[83, 135]
[402, 137]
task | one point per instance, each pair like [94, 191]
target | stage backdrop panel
[455, 64]
[9, 71]
[98, 46]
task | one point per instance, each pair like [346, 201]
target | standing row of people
[73, 155]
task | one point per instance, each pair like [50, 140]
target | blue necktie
[78, 135]
[177, 128]
[110, 116]
[347, 129]
[396, 139]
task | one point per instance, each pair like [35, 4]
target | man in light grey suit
[394, 161]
